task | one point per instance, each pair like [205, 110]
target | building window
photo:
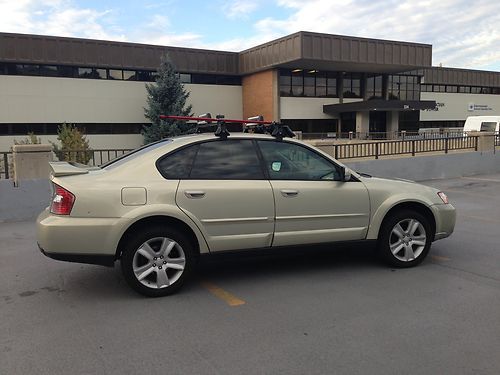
[297, 82]
[129, 75]
[310, 83]
[49, 71]
[402, 87]
[115, 74]
[352, 86]
[66, 71]
[285, 83]
[374, 87]
[204, 79]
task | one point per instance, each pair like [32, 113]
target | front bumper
[445, 215]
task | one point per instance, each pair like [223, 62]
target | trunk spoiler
[64, 168]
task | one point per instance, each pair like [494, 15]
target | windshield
[134, 153]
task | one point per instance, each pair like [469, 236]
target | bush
[74, 145]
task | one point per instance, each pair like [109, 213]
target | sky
[463, 33]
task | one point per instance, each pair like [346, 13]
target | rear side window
[227, 160]
[178, 165]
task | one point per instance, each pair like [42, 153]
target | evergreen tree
[166, 96]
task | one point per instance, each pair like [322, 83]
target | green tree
[167, 96]
[74, 145]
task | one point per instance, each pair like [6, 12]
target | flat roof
[303, 49]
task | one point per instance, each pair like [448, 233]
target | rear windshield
[134, 154]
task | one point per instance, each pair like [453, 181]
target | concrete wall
[421, 168]
[459, 106]
[24, 202]
[58, 100]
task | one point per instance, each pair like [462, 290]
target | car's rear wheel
[157, 261]
[405, 239]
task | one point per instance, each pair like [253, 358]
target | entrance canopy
[379, 105]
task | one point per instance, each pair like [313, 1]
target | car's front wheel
[157, 261]
[405, 239]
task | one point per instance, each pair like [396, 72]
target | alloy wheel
[159, 262]
[407, 240]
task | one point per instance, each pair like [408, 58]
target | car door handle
[289, 193]
[194, 194]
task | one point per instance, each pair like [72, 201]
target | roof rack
[254, 124]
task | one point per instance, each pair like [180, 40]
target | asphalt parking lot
[303, 311]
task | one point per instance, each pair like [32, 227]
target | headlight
[443, 197]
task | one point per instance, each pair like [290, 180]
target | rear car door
[312, 204]
[227, 195]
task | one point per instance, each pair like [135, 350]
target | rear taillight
[62, 202]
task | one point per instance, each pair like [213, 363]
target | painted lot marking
[480, 179]
[469, 193]
[440, 258]
[227, 297]
[479, 218]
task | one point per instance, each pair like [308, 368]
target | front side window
[288, 161]
[231, 159]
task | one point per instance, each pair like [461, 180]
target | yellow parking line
[439, 258]
[227, 297]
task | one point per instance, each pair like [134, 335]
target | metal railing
[401, 147]
[362, 149]
[5, 163]
[382, 135]
[94, 157]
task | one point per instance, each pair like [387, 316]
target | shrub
[74, 145]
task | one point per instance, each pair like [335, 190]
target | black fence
[399, 135]
[5, 163]
[401, 147]
[362, 149]
[91, 157]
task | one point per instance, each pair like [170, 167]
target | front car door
[226, 194]
[312, 204]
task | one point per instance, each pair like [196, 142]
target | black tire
[387, 236]
[154, 237]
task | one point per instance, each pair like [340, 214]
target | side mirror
[345, 174]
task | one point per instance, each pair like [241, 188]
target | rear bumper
[74, 239]
[102, 260]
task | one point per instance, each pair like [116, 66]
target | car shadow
[286, 261]
[95, 283]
